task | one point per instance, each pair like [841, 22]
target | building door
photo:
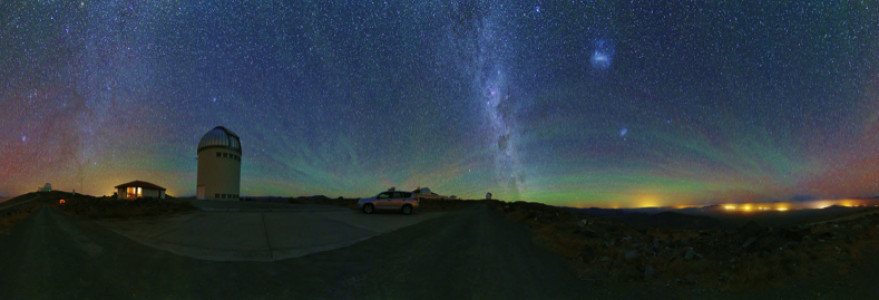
[200, 194]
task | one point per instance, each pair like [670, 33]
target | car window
[383, 195]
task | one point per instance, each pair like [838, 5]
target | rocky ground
[425, 204]
[16, 210]
[746, 257]
[819, 253]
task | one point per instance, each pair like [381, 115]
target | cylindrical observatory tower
[219, 165]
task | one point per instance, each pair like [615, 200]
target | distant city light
[787, 206]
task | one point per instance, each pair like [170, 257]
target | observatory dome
[220, 137]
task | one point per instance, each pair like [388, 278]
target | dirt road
[471, 253]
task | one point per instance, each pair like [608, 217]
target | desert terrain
[450, 249]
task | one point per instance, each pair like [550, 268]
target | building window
[218, 154]
[216, 195]
[134, 192]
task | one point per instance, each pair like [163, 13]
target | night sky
[584, 103]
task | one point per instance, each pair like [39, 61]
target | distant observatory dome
[220, 137]
[219, 165]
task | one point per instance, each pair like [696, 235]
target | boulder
[750, 241]
[631, 254]
[751, 229]
[649, 272]
[587, 253]
[582, 223]
[691, 254]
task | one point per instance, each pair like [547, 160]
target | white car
[404, 202]
[426, 194]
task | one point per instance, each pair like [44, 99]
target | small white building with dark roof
[139, 189]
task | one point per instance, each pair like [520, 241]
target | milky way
[491, 79]
[607, 103]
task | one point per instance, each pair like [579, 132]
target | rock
[588, 233]
[657, 242]
[649, 272]
[587, 253]
[750, 241]
[791, 235]
[631, 254]
[691, 254]
[582, 223]
[546, 217]
[751, 229]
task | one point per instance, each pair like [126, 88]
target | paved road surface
[289, 232]
[471, 253]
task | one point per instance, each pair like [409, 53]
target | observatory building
[219, 165]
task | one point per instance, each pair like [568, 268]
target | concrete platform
[238, 206]
[261, 233]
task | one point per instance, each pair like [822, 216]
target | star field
[583, 103]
